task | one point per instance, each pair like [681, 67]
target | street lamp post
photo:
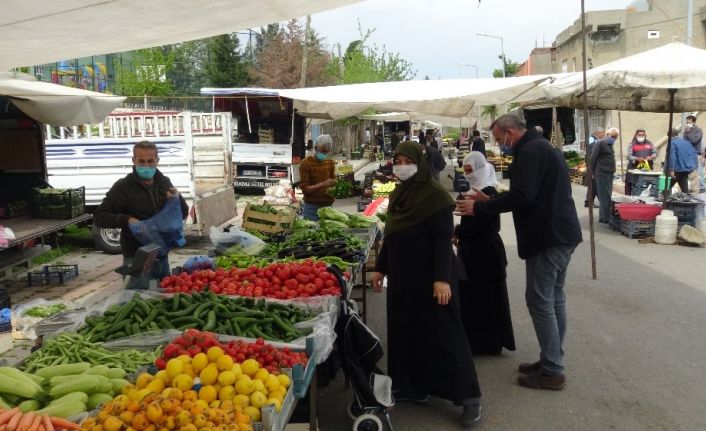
[502, 48]
[470, 65]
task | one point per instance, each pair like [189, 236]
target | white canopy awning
[640, 82]
[56, 104]
[445, 98]
[36, 32]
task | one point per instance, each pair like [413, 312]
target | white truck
[194, 151]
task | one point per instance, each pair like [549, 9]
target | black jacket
[603, 156]
[539, 198]
[129, 197]
[478, 144]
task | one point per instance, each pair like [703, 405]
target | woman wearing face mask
[317, 173]
[640, 151]
[485, 307]
[423, 316]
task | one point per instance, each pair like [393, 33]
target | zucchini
[29, 406]
[63, 410]
[73, 396]
[96, 400]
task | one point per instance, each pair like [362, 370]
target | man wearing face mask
[694, 134]
[317, 174]
[136, 197]
[547, 230]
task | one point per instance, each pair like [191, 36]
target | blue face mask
[321, 156]
[145, 172]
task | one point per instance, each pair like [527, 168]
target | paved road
[634, 350]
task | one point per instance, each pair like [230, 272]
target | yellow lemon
[199, 362]
[143, 379]
[162, 375]
[226, 393]
[277, 394]
[257, 399]
[189, 370]
[276, 402]
[250, 367]
[272, 383]
[241, 400]
[133, 393]
[224, 362]
[183, 382]
[175, 367]
[259, 386]
[262, 375]
[156, 386]
[237, 370]
[201, 403]
[143, 393]
[184, 358]
[208, 393]
[215, 404]
[209, 375]
[214, 353]
[253, 412]
[226, 378]
[284, 380]
[244, 386]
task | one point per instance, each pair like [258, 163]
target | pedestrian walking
[683, 160]
[596, 136]
[602, 167]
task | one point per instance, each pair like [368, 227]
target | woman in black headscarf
[427, 352]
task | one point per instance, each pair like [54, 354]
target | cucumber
[96, 400]
[62, 370]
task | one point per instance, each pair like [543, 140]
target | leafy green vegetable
[329, 213]
[44, 311]
[360, 221]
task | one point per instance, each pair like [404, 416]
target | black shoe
[585, 204]
[471, 415]
[404, 396]
[529, 367]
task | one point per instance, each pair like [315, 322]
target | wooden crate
[269, 223]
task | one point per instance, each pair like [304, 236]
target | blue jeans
[309, 211]
[160, 269]
[546, 301]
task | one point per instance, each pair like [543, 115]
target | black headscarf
[419, 197]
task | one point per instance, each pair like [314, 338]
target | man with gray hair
[317, 173]
[602, 168]
[596, 136]
[547, 230]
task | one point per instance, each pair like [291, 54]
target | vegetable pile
[200, 310]
[342, 189]
[17, 420]
[44, 311]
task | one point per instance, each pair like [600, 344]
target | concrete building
[540, 62]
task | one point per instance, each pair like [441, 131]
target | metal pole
[502, 52]
[622, 162]
[305, 55]
[667, 180]
[586, 136]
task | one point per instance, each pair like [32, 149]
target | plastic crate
[686, 212]
[4, 299]
[362, 204]
[614, 221]
[62, 205]
[52, 274]
[642, 182]
[14, 209]
[637, 228]
[5, 327]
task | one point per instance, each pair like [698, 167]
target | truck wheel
[107, 240]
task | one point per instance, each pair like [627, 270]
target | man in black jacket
[547, 230]
[138, 196]
[602, 165]
[478, 144]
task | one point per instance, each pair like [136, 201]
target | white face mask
[689, 125]
[640, 139]
[404, 172]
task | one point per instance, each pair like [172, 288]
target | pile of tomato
[276, 280]
[193, 342]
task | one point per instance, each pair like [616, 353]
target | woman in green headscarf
[428, 353]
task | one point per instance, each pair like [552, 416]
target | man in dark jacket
[602, 166]
[547, 230]
[596, 136]
[683, 160]
[435, 159]
[138, 196]
[478, 144]
[694, 134]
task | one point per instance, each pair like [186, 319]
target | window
[653, 34]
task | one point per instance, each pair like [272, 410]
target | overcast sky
[437, 35]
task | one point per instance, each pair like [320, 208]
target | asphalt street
[634, 348]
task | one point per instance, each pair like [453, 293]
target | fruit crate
[52, 274]
[686, 212]
[58, 204]
[363, 203]
[614, 221]
[269, 223]
[637, 228]
[4, 298]
[642, 182]
[14, 209]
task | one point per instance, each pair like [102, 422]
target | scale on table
[142, 262]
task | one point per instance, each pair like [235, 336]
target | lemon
[184, 358]
[156, 386]
[214, 353]
[278, 394]
[199, 362]
[201, 403]
[133, 393]
[208, 393]
[189, 370]
[272, 383]
[250, 367]
[142, 393]
[276, 402]
[257, 399]
[241, 400]
[226, 378]
[175, 367]
[209, 375]
[244, 386]
[259, 386]
[224, 362]
[183, 382]
[253, 412]
[143, 379]
[237, 370]
[284, 380]
[262, 375]
[215, 404]
[226, 393]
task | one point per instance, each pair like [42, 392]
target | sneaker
[540, 380]
[404, 396]
[471, 415]
[529, 368]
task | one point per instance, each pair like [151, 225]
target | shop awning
[56, 104]
[36, 32]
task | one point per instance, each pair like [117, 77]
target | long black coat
[423, 335]
[485, 307]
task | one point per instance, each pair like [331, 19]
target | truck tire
[107, 240]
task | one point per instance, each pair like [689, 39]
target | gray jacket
[603, 156]
[694, 135]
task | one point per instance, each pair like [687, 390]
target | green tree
[511, 68]
[188, 75]
[144, 72]
[225, 66]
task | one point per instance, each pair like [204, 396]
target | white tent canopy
[445, 98]
[56, 104]
[640, 82]
[39, 31]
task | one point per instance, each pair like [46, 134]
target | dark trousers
[682, 178]
[604, 190]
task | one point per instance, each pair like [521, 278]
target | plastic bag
[196, 263]
[236, 241]
[166, 228]
[25, 323]
[6, 235]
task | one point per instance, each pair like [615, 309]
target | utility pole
[340, 61]
[305, 56]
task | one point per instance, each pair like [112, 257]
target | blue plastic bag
[166, 228]
[197, 263]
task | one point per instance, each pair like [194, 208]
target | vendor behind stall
[317, 174]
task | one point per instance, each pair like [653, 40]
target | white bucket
[702, 227]
[666, 228]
